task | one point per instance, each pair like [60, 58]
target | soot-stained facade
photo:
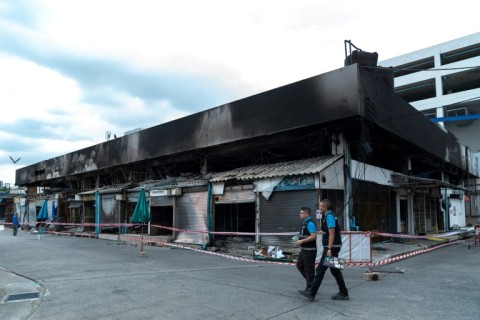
[348, 100]
[349, 112]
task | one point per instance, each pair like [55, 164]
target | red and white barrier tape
[172, 245]
[121, 225]
[161, 243]
[348, 264]
[411, 254]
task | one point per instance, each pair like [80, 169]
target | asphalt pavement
[60, 277]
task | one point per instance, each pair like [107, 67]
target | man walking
[308, 242]
[332, 243]
[15, 223]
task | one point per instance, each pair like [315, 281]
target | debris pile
[273, 252]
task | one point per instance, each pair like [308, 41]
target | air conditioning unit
[158, 193]
[166, 192]
[175, 192]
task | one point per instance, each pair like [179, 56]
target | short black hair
[307, 210]
[327, 203]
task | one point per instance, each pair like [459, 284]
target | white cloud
[32, 91]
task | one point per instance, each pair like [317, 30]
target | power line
[414, 69]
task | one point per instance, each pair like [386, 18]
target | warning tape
[162, 243]
[177, 246]
[237, 258]
[120, 225]
[411, 254]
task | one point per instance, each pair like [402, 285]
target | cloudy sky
[70, 70]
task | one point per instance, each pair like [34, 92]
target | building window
[417, 91]
[461, 81]
[456, 111]
[412, 67]
[460, 54]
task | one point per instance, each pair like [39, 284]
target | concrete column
[439, 88]
[347, 198]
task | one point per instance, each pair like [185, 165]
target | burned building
[248, 165]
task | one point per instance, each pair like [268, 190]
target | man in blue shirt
[332, 243]
[15, 223]
[308, 242]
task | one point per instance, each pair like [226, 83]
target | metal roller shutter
[49, 208]
[31, 214]
[190, 214]
[161, 201]
[281, 214]
[110, 209]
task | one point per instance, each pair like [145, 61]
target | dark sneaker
[307, 294]
[340, 296]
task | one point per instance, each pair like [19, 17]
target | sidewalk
[18, 295]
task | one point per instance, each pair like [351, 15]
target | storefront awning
[280, 169]
[110, 189]
[171, 183]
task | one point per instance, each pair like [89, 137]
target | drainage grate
[21, 296]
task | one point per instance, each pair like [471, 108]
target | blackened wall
[328, 100]
[395, 115]
[320, 99]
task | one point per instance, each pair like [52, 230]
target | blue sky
[71, 70]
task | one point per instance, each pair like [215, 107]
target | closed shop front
[109, 211]
[283, 189]
[190, 216]
[281, 214]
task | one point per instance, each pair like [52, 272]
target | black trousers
[320, 273]
[306, 265]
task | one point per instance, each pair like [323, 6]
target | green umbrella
[141, 214]
[42, 216]
[43, 213]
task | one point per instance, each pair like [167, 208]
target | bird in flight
[14, 161]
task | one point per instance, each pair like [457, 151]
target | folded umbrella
[141, 214]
